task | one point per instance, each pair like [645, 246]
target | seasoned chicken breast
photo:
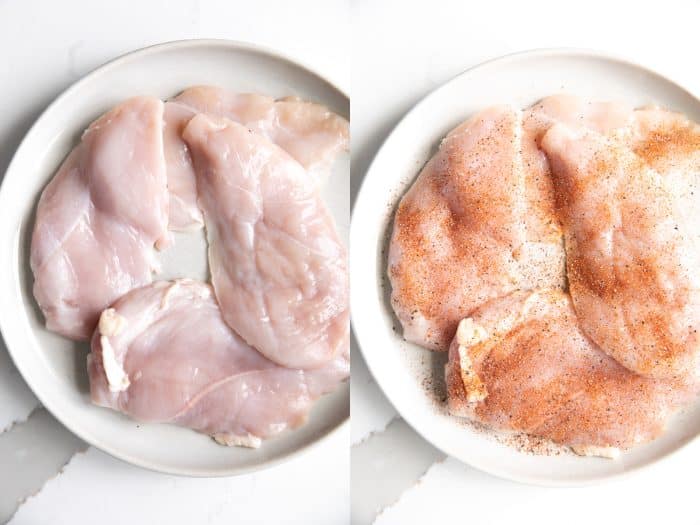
[669, 143]
[521, 363]
[605, 117]
[632, 259]
[478, 223]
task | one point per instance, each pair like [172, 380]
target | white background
[44, 47]
[401, 51]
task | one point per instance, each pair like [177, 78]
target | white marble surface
[401, 51]
[311, 488]
[46, 46]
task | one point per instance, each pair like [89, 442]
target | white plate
[408, 374]
[55, 367]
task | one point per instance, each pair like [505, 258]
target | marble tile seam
[375, 432]
[21, 420]
[58, 473]
[413, 486]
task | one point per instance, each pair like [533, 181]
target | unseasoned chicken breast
[277, 265]
[185, 215]
[632, 259]
[478, 223]
[521, 363]
[309, 132]
[163, 353]
[100, 217]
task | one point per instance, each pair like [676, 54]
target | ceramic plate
[55, 367]
[412, 377]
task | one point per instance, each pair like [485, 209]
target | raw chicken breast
[100, 217]
[478, 223]
[182, 186]
[520, 363]
[278, 267]
[668, 142]
[308, 132]
[632, 259]
[163, 353]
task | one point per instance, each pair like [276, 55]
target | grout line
[21, 420]
[36, 451]
[415, 484]
[60, 471]
[375, 432]
[398, 457]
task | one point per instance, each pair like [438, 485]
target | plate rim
[6, 328]
[355, 300]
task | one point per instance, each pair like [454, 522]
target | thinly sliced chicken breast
[476, 224]
[100, 217]
[669, 143]
[185, 215]
[520, 363]
[632, 257]
[309, 132]
[163, 353]
[608, 118]
[277, 265]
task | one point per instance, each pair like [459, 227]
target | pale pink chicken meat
[184, 215]
[309, 132]
[163, 353]
[100, 217]
[277, 265]
[520, 363]
[632, 259]
[478, 223]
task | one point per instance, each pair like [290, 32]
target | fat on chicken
[100, 218]
[163, 353]
[278, 268]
